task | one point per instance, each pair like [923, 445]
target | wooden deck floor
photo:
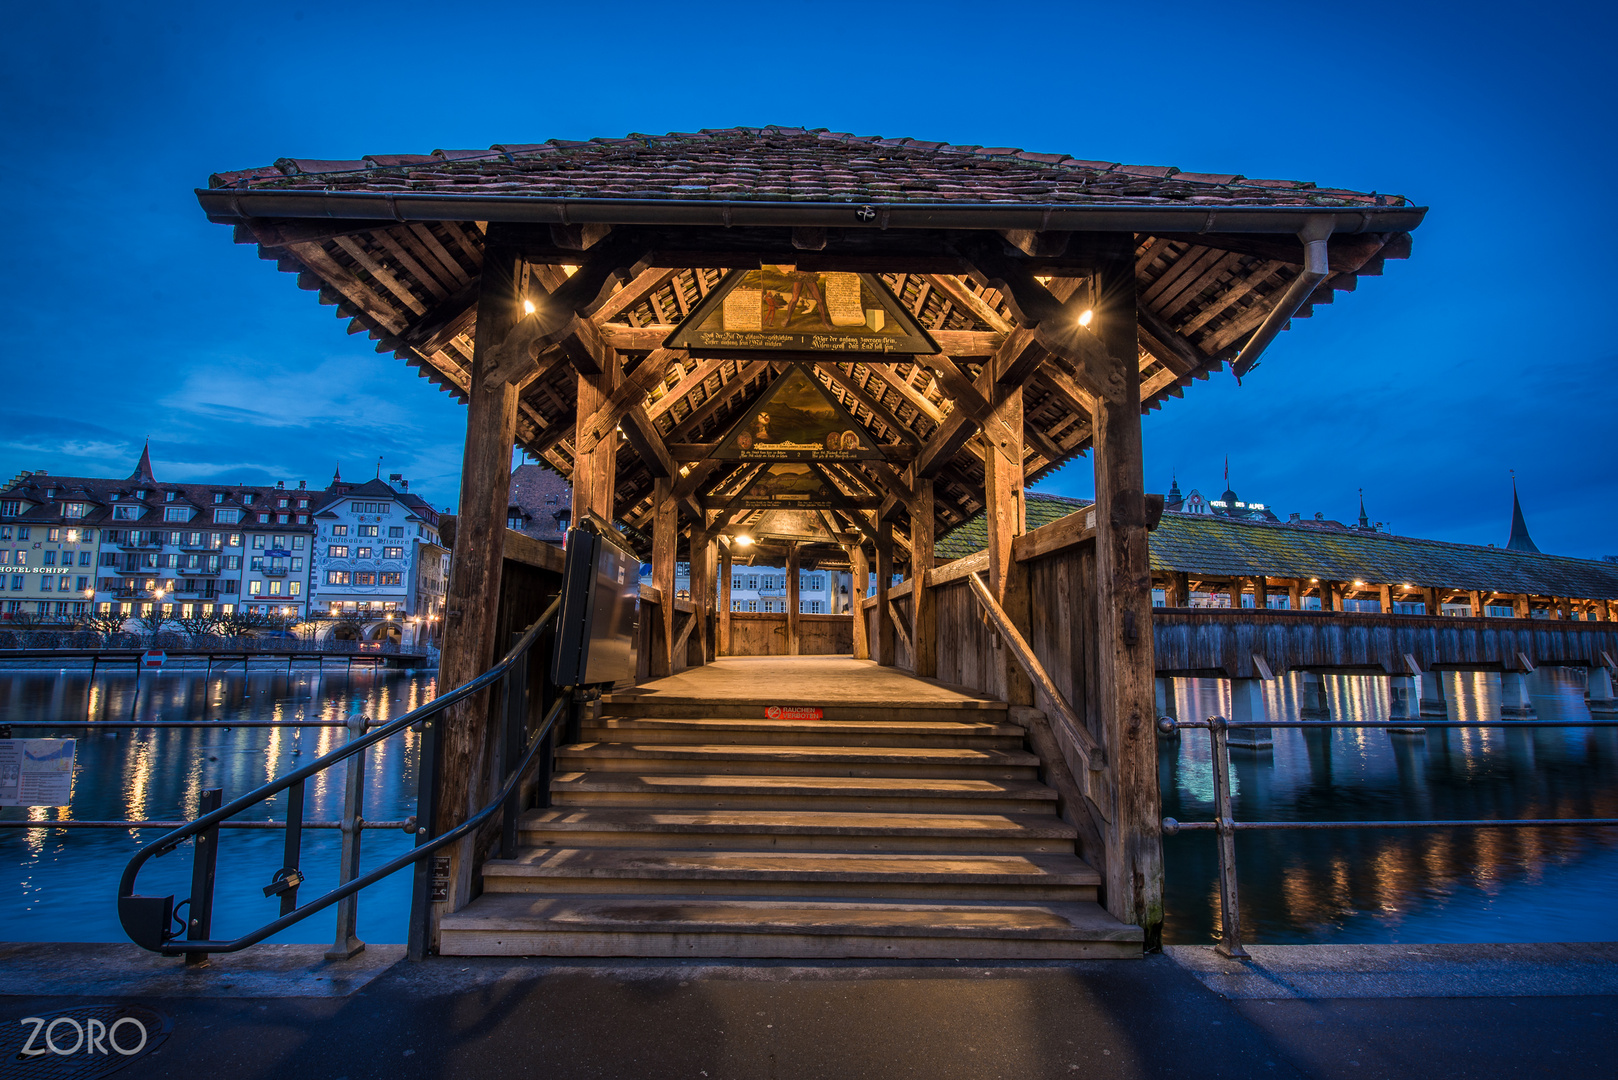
[801, 680]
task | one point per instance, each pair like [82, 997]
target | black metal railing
[1226, 826]
[149, 920]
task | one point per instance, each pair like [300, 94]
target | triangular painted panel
[797, 420]
[804, 526]
[783, 309]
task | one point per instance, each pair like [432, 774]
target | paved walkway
[1484, 1011]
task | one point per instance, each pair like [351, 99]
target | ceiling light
[1086, 317]
[527, 307]
[743, 540]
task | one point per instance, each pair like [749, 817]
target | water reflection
[1409, 886]
[67, 881]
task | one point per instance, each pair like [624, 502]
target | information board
[36, 772]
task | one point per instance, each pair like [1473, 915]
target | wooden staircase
[903, 832]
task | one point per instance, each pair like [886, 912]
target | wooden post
[884, 646]
[1180, 589]
[665, 540]
[794, 619]
[861, 573]
[724, 600]
[1236, 593]
[1261, 592]
[1429, 600]
[1385, 598]
[472, 602]
[1125, 699]
[1521, 606]
[1005, 519]
[702, 593]
[923, 604]
[1295, 594]
[595, 470]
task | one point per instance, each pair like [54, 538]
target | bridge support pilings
[1514, 700]
[1167, 706]
[1312, 697]
[1246, 705]
[1433, 704]
[1404, 703]
[1598, 693]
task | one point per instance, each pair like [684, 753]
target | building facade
[379, 568]
[541, 503]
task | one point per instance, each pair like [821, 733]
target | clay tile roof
[781, 164]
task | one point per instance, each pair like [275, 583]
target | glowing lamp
[744, 541]
[1086, 317]
[527, 307]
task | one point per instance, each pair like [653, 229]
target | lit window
[338, 577]
[337, 551]
[393, 553]
[392, 577]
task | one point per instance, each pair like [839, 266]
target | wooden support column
[1295, 594]
[1005, 519]
[884, 647]
[595, 469]
[702, 595]
[472, 602]
[1385, 597]
[1261, 592]
[1236, 593]
[1429, 599]
[665, 540]
[923, 604]
[1125, 693]
[723, 647]
[794, 618]
[1521, 607]
[1179, 590]
[858, 588]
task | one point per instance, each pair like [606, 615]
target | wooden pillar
[1236, 589]
[1180, 589]
[923, 604]
[1261, 592]
[665, 542]
[1295, 594]
[1384, 595]
[1429, 600]
[794, 617]
[1134, 865]
[472, 600]
[595, 470]
[723, 647]
[861, 573]
[884, 646]
[1005, 518]
[702, 594]
[1478, 604]
[1521, 608]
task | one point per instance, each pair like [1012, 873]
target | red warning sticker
[792, 712]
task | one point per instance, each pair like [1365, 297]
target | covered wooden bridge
[830, 349]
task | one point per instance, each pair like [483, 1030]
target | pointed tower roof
[1174, 495]
[1520, 540]
[337, 473]
[1365, 522]
[143, 469]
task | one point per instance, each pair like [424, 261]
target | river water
[1339, 886]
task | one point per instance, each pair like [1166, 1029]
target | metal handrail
[1226, 826]
[138, 910]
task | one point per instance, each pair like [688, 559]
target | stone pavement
[1294, 1011]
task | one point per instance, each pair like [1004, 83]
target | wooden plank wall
[758, 633]
[1222, 642]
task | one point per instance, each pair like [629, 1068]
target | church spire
[1365, 522]
[143, 469]
[1520, 540]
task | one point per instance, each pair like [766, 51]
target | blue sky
[1489, 350]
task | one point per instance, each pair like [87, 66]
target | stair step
[887, 794]
[793, 873]
[518, 924]
[753, 830]
[870, 761]
[712, 730]
[667, 707]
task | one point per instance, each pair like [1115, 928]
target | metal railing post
[418, 936]
[204, 866]
[347, 944]
[292, 852]
[1230, 942]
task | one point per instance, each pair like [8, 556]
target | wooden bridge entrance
[794, 806]
[826, 350]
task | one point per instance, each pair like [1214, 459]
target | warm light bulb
[1086, 317]
[743, 541]
[528, 307]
